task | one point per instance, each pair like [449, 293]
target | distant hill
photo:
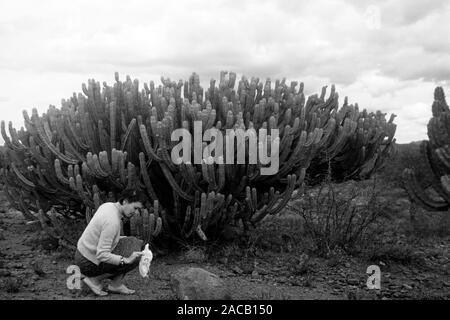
[407, 155]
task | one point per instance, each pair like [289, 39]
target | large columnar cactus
[435, 195]
[112, 138]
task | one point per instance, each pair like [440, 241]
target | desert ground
[275, 261]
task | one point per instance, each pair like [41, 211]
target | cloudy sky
[387, 55]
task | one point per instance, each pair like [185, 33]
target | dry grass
[340, 215]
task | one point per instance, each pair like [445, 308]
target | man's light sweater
[102, 235]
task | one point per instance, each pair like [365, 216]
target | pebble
[237, 270]
[4, 273]
[406, 286]
[353, 281]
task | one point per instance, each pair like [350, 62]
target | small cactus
[436, 155]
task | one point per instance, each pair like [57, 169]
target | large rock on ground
[127, 245]
[198, 284]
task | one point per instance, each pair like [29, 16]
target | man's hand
[133, 257]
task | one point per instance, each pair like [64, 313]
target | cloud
[50, 48]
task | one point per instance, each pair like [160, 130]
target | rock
[303, 265]
[127, 245]
[18, 265]
[255, 274]
[248, 268]
[223, 260]
[195, 255]
[4, 273]
[263, 272]
[353, 281]
[397, 295]
[347, 265]
[237, 270]
[407, 287]
[198, 284]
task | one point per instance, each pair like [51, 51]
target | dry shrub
[194, 254]
[341, 215]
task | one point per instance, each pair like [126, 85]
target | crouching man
[102, 253]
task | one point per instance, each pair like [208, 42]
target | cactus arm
[418, 195]
[163, 154]
[49, 144]
[158, 227]
[187, 219]
[128, 133]
[113, 124]
[174, 184]
[81, 193]
[131, 176]
[104, 162]
[21, 177]
[67, 143]
[148, 147]
[145, 226]
[146, 177]
[96, 197]
[103, 137]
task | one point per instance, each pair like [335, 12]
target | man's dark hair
[130, 196]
